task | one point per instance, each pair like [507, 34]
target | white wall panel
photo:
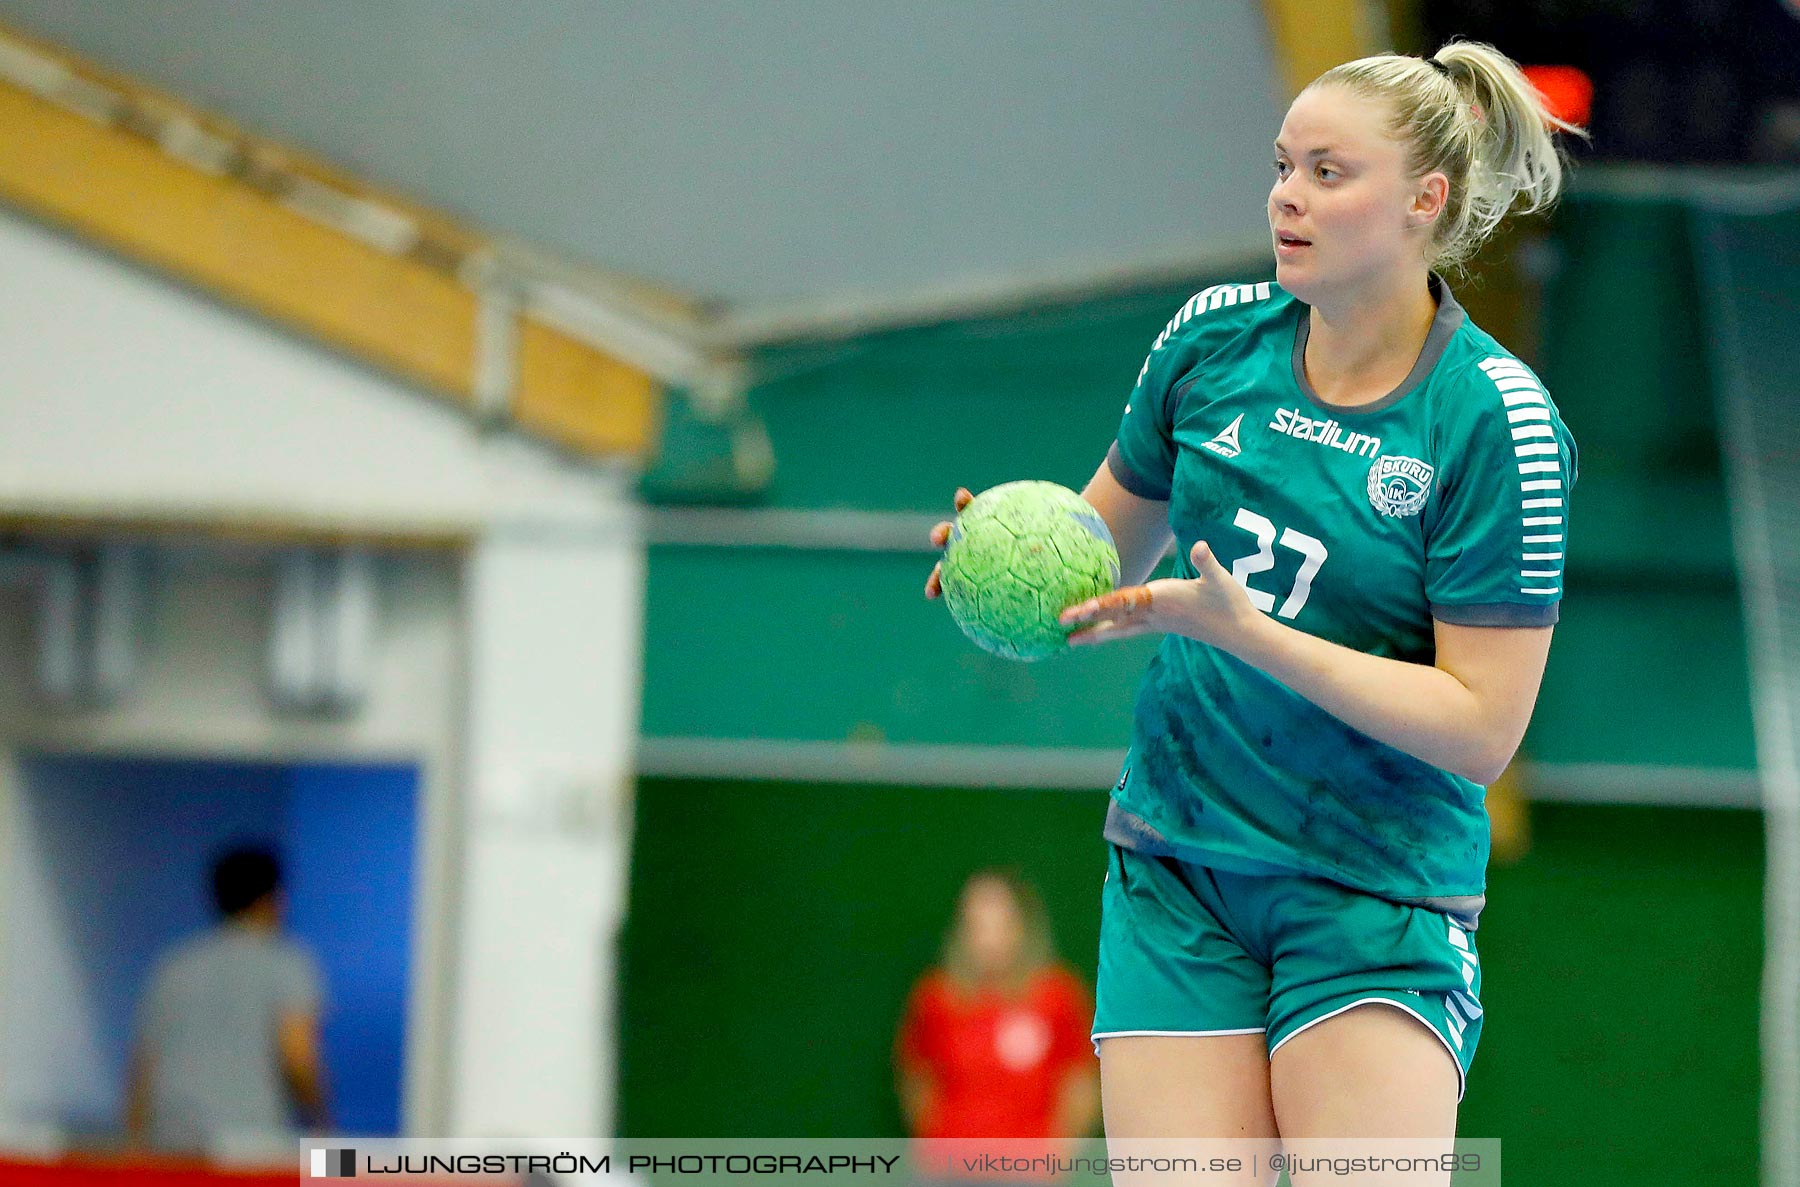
[125, 394]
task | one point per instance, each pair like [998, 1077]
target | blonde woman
[1371, 498]
[994, 1042]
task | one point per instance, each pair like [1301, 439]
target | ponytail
[1470, 113]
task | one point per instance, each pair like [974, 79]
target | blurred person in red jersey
[994, 1042]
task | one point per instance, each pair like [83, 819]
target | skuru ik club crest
[1399, 486]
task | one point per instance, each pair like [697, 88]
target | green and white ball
[1019, 555]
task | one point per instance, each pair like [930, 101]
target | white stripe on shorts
[1461, 1079]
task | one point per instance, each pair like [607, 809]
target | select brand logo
[334, 1164]
[1226, 443]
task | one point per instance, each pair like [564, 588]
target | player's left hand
[1211, 607]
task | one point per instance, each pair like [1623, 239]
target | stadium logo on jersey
[1226, 443]
[1290, 422]
[1399, 486]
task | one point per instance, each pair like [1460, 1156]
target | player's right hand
[940, 536]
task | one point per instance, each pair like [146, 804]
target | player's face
[1342, 209]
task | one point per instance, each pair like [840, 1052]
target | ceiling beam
[397, 286]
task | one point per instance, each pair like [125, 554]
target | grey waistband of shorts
[1130, 831]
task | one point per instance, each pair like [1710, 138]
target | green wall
[897, 421]
[851, 648]
[775, 930]
[1649, 661]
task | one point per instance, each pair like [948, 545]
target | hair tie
[1438, 66]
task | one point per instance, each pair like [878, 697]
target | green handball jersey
[1446, 499]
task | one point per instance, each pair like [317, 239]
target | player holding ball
[1370, 499]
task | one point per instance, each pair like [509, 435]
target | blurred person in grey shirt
[227, 1046]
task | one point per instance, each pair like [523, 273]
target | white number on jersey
[1312, 551]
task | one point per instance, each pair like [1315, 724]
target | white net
[1749, 244]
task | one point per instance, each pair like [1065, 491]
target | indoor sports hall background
[488, 451]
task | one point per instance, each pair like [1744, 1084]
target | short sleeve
[1142, 458]
[1498, 537]
[916, 1042]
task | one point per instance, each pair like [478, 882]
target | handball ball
[1018, 556]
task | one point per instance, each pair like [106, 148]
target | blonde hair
[1036, 951]
[1470, 113]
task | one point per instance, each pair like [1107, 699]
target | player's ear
[1429, 195]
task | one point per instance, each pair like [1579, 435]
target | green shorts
[1190, 950]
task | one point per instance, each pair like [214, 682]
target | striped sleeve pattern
[1542, 489]
[1142, 457]
[1494, 544]
[1217, 296]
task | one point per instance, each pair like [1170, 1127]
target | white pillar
[555, 673]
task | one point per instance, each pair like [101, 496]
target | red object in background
[998, 1062]
[123, 1171]
[1567, 91]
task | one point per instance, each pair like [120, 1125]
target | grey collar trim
[1448, 319]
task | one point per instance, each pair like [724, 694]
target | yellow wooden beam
[231, 240]
[1312, 36]
[237, 232]
[580, 397]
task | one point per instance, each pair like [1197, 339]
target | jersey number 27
[1312, 551]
